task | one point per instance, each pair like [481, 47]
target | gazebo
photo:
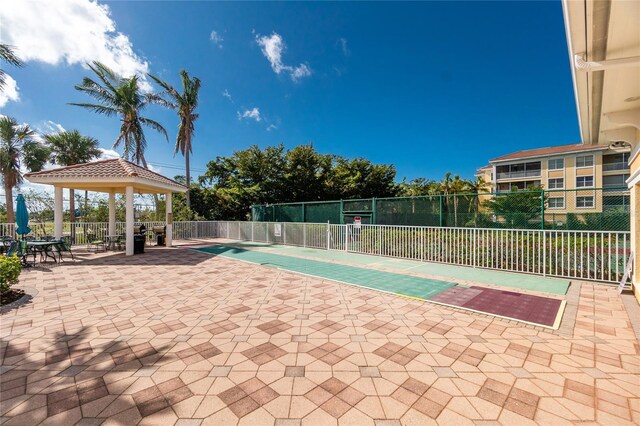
[115, 176]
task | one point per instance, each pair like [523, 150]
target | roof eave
[118, 182]
[556, 154]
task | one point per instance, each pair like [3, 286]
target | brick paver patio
[179, 337]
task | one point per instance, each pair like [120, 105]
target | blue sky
[431, 87]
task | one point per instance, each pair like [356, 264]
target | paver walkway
[179, 337]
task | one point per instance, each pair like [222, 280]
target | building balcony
[610, 167]
[521, 174]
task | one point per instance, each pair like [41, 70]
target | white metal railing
[622, 165]
[589, 255]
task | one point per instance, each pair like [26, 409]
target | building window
[616, 203]
[584, 202]
[557, 183]
[556, 164]
[584, 161]
[615, 162]
[584, 182]
[556, 203]
[613, 182]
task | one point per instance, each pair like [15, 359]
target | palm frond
[155, 126]
[100, 109]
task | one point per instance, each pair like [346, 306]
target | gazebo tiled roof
[117, 170]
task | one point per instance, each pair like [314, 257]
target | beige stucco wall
[635, 227]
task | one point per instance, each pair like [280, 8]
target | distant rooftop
[543, 152]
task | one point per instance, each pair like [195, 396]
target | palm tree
[121, 96]
[185, 104]
[18, 148]
[67, 149]
[7, 55]
[457, 187]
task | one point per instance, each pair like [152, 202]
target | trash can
[160, 239]
[138, 243]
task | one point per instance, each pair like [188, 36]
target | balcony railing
[608, 167]
[524, 173]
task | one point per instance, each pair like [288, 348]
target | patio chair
[23, 251]
[94, 243]
[12, 248]
[63, 246]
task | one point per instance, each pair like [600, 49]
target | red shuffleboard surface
[523, 307]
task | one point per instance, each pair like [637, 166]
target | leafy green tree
[185, 104]
[17, 147]
[8, 55]
[306, 173]
[518, 208]
[69, 148]
[360, 178]
[122, 97]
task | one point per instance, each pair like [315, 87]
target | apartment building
[579, 178]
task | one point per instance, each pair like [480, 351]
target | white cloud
[71, 32]
[227, 95]
[343, 44]
[52, 127]
[272, 48]
[300, 71]
[108, 154]
[271, 127]
[253, 113]
[10, 91]
[216, 39]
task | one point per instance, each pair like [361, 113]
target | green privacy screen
[605, 209]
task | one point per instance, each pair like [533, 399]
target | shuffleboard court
[514, 280]
[421, 288]
[536, 310]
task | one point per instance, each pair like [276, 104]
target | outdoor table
[44, 247]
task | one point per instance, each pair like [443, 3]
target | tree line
[275, 174]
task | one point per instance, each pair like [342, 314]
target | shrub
[10, 268]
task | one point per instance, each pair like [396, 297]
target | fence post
[303, 213]
[346, 238]
[374, 216]
[328, 235]
[542, 209]
[284, 233]
[341, 212]
[440, 204]
[304, 235]
[252, 222]
[544, 253]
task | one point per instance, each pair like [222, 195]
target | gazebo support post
[58, 212]
[129, 220]
[112, 213]
[169, 220]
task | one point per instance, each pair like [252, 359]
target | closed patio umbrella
[22, 216]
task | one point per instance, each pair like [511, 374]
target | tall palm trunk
[11, 215]
[186, 159]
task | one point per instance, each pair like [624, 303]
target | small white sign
[627, 272]
[277, 230]
[357, 222]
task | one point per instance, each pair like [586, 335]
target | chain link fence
[597, 209]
